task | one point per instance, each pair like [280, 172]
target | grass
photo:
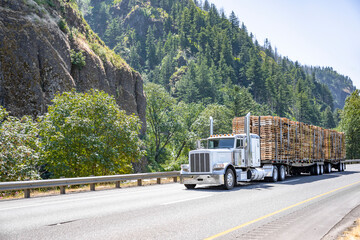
[81, 188]
[352, 233]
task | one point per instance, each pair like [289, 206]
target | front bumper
[201, 179]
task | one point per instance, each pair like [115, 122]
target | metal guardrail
[352, 161]
[63, 182]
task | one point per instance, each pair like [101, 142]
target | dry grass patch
[353, 233]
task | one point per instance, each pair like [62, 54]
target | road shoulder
[346, 222]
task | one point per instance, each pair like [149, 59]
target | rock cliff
[47, 47]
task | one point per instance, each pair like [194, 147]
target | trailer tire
[229, 179]
[340, 167]
[321, 169]
[317, 169]
[328, 168]
[275, 175]
[282, 173]
[190, 186]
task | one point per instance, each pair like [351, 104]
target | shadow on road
[262, 185]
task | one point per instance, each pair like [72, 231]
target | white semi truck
[230, 158]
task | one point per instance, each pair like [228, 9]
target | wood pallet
[283, 139]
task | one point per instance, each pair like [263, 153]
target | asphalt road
[302, 207]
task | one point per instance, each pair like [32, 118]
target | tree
[350, 124]
[87, 134]
[222, 120]
[19, 148]
[150, 48]
[162, 123]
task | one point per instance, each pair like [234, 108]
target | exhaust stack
[211, 126]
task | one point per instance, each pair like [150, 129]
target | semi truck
[263, 148]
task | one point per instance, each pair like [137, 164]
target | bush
[87, 134]
[63, 26]
[19, 148]
[77, 58]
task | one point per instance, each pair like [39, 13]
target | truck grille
[199, 162]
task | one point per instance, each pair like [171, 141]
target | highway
[301, 207]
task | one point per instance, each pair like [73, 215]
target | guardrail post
[175, 179]
[158, 180]
[62, 189]
[92, 186]
[27, 193]
[117, 184]
[139, 182]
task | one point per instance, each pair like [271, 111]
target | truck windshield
[221, 143]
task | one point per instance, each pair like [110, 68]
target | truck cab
[224, 160]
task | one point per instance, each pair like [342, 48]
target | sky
[314, 32]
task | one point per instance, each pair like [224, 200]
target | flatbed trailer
[264, 147]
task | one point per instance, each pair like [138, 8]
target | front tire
[229, 179]
[190, 186]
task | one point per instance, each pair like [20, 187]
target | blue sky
[313, 32]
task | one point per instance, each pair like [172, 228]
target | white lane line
[295, 180]
[79, 199]
[185, 200]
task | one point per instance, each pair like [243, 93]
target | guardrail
[352, 161]
[63, 182]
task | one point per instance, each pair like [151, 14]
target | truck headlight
[185, 167]
[219, 166]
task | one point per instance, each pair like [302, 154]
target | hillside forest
[198, 62]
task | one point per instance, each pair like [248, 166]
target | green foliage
[350, 124]
[162, 123]
[222, 120]
[200, 57]
[19, 148]
[77, 58]
[87, 134]
[63, 26]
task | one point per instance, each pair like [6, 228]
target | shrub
[87, 134]
[77, 58]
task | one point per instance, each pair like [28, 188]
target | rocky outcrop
[35, 61]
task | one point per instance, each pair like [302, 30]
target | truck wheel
[344, 166]
[340, 167]
[229, 179]
[321, 169]
[190, 186]
[317, 169]
[328, 168]
[282, 173]
[275, 174]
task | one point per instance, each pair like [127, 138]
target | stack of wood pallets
[283, 139]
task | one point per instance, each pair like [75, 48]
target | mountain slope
[47, 47]
[199, 55]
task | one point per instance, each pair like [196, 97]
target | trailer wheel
[229, 179]
[275, 174]
[282, 173]
[317, 169]
[190, 186]
[321, 169]
[328, 168]
[340, 167]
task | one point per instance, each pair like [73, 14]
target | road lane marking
[276, 212]
[185, 200]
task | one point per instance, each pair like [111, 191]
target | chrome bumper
[201, 179]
